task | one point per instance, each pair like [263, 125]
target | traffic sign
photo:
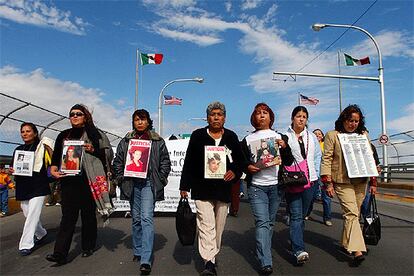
[384, 139]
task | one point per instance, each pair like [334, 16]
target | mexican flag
[350, 61]
[151, 58]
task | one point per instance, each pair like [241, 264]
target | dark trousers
[76, 196]
[235, 198]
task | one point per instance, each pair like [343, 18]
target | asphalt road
[113, 255]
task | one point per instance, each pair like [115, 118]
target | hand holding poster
[23, 163]
[72, 157]
[137, 158]
[358, 155]
[215, 162]
[265, 152]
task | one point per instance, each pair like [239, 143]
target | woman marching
[86, 191]
[350, 191]
[264, 189]
[32, 190]
[306, 150]
[142, 193]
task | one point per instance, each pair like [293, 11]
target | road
[113, 256]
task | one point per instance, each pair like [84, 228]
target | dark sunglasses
[78, 114]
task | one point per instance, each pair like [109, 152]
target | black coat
[192, 177]
[28, 187]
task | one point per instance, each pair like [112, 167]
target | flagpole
[136, 83]
[298, 98]
[340, 83]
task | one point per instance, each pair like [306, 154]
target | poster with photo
[23, 163]
[138, 155]
[265, 152]
[359, 159]
[215, 162]
[72, 153]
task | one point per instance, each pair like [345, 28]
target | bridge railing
[398, 172]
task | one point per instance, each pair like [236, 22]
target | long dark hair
[142, 114]
[346, 114]
[258, 107]
[90, 127]
[33, 127]
[296, 110]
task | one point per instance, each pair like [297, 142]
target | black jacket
[285, 154]
[192, 177]
[158, 170]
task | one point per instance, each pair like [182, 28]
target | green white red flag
[151, 58]
[350, 61]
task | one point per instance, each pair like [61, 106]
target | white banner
[177, 150]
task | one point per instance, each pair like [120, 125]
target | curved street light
[319, 26]
[197, 79]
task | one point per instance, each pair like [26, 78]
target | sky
[58, 53]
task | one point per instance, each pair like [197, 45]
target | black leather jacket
[159, 166]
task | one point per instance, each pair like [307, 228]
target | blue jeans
[299, 205]
[326, 203]
[142, 212]
[4, 198]
[264, 201]
[365, 206]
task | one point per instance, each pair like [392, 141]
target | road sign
[384, 139]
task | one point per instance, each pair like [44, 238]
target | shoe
[56, 258]
[308, 218]
[233, 214]
[302, 258]
[127, 214]
[241, 194]
[25, 252]
[145, 269]
[328, 223]
[87, 253]
[209, 270]
[136, 258]
[57, 204]
[358, 259]
[266, 270]
[3, 214]
[38, 241]
[49, 204]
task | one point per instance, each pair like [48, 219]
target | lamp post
[317, 27]
[199, 80]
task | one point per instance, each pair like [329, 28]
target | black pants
[76, 196]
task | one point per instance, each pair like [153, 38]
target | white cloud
[405, 122]
[202, 40]
[58, 96]
[250, 4]
[170, 3]
[39, 14]
[227, 6]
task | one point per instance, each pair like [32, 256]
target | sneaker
[266, 270]
[308, 218]
[209, 270]
[38, 241]
[241, 194]
[49, 204]
[3, 214]
[328, 223]
[145, 269]
[57, 204]
[302, 257]
[25, 252]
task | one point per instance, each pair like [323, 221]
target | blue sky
[58, 53]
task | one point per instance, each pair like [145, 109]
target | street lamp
[317, 27]
[199, 80]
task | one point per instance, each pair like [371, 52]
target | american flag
[171, 100]
[308, 100]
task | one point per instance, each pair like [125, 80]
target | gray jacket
[158, 170]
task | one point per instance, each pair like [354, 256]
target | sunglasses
[78, 114]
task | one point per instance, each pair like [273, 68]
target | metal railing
[398, 172]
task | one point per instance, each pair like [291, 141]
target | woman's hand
[11, 170]
[330, 191]
[229, 175]
[253, 169]
[184, 194]
[281, 143]
[55, 173]
[88, 147]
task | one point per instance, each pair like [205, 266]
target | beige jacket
[333, 162]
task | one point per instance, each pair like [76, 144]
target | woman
[31, 190]
[350, 191]
[143, 193]
[71, 161]
[136, 164]
[263, 187]
[305, 148]
[76, 190]
[321, 193]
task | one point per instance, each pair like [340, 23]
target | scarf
[95, 173]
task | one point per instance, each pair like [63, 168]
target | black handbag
[185, 222]
[372, 224]
[294, 178]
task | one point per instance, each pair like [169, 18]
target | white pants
[211, 218]
[32, 209]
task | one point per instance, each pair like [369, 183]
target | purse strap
[373, 206]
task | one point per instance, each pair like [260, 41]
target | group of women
[87, 191]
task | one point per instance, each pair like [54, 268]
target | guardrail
[404, 172]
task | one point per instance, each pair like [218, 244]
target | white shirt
[268, 176]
